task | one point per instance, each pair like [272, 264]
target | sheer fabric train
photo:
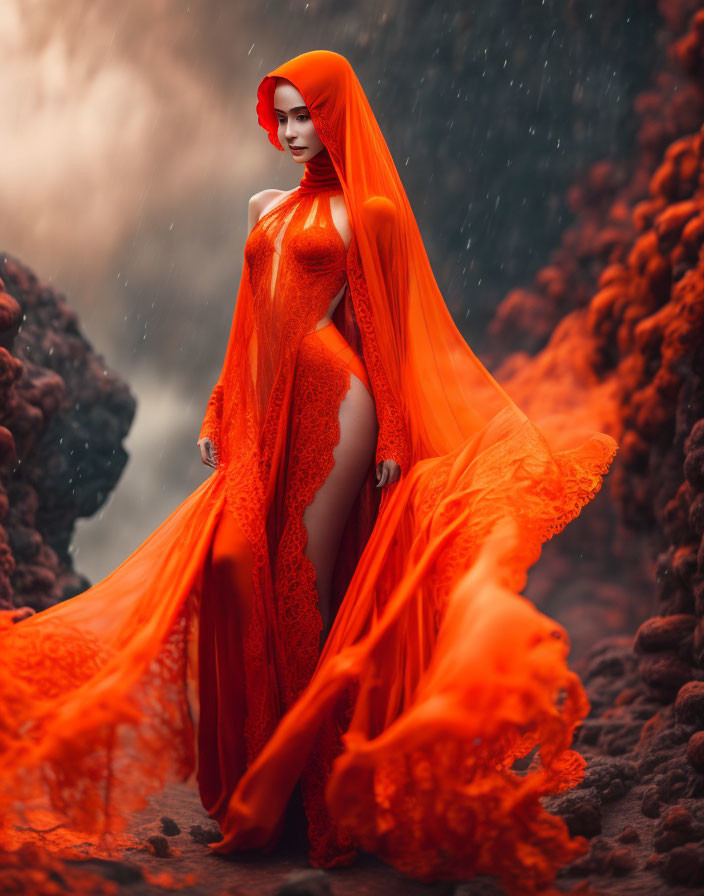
[437, 673]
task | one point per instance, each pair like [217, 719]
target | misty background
[131, 147]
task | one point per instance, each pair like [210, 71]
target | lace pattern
[393, 442]
[321, 384]
[276, 418]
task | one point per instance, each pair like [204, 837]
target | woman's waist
[327, 333]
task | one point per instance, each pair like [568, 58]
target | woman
[297, 444]
[436, 675]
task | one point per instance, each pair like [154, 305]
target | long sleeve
[213, 418]
[393, 441]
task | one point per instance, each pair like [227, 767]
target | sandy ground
[138, 870]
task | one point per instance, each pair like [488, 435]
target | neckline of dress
[294, 194]
[291, 195]
[320, 174]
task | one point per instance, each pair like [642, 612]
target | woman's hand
[207, 452]
[387, 471]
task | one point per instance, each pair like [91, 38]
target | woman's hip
[322, 348]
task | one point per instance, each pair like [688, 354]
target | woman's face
[295, 126]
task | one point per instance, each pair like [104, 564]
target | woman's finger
[207, 452]
[384, 476]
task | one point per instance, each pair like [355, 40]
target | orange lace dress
[258, 648]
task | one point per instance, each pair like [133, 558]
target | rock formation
[639, 335]
[64, 416]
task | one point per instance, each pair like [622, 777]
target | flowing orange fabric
[275, 430]
[437, 675]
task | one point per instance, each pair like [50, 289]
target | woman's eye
[302, 115]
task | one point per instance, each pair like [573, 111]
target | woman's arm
[393, 443]
[210, 428]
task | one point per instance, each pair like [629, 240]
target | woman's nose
[290, 130]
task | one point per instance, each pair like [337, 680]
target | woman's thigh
[325, 517]
[232, 565]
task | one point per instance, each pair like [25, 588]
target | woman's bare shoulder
[265, 200]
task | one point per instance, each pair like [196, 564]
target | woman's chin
[304, 157]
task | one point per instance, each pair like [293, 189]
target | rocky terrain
[640, 333]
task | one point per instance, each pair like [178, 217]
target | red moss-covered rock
[650, 802]
[676, 828]
[8, 451]
[663, 632]
[684, 866]
[580, 809]
[672, 220]
[698, 639]
[621, 861]
[645, 318]
[629, 835]
[675, 518]
[692, 237]
[689, 705]
[695, 517]
[665, 671]
[10, 316]
[63, 415]
[695, 751]
[694, 457]
[645, 321]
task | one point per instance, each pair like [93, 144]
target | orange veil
[445, 393]
[437, 674]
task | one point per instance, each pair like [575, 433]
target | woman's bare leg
[325, 517]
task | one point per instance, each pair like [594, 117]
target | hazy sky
[130, 148]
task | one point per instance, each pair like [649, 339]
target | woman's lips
[297, 149]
